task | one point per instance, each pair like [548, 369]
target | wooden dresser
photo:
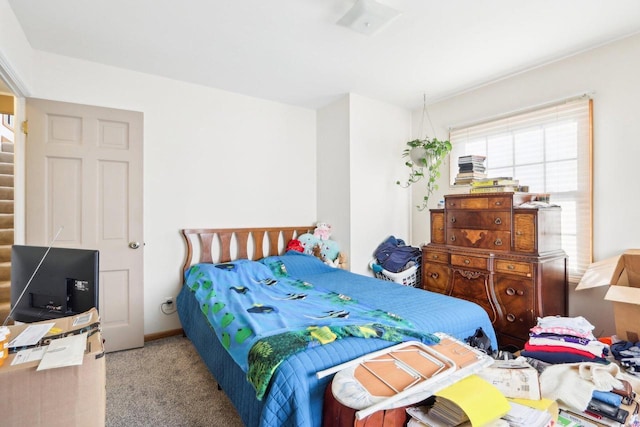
[508, 259]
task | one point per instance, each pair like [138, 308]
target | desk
[69, 396]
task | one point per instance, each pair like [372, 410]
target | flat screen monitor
[62, 283]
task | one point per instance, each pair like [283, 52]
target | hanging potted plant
[425, 157]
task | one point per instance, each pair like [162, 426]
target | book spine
[494, 182]
[493, 189]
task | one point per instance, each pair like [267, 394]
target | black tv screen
[62, 283]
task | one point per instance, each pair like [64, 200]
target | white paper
[67, 351]
[29, 355]
[81, 320]
[31, 335]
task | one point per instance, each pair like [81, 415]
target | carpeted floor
[165, 383]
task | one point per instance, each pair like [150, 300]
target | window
[549, 150]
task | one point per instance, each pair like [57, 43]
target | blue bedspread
[262, 315]
[295, 395]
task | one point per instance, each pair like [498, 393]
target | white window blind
[549, 150]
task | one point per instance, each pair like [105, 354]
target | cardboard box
[622, 275]
[69, 396]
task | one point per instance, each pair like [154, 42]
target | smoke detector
[368, 16]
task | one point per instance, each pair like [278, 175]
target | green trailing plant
[424, 159]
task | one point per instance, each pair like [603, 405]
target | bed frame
[214, 245]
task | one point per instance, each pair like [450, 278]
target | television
[62, 283]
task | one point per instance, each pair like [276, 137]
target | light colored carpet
[165, 383]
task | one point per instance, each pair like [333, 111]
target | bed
[294, 393]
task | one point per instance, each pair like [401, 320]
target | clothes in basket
[395, 256]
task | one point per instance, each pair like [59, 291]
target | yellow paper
[481, 401]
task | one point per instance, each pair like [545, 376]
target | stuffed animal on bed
[323, 248]
[322, 231]
[329, 250]
[308, 241]
[295, 245]
[342, 261]
[339, 262]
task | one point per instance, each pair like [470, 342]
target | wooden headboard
[228, 244]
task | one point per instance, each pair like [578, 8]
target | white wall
[333, 160]
[360, 142]
[612, 72]
[212, 159]
[14, 48]
[379, 207]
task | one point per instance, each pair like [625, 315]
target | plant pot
[420, 156]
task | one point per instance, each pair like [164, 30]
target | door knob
[134, 245]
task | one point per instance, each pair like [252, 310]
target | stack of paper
[471, 401]
[422, 416]
[448, 412]
[525, 416]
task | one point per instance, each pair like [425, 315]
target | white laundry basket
[408, 277]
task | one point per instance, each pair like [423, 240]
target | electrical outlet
[168, 305]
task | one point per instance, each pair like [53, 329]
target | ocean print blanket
[262, 315]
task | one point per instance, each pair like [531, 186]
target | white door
[84, 173]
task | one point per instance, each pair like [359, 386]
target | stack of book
[469, 402]
[445, 413]
[470, 168]
[495, 185]
[442, 412]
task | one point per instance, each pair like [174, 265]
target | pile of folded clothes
[558, 339]
[575, 370]
[628, 354]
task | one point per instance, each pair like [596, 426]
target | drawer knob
[453, 219]
[511, 317]
[434, 275]
[467, 262]
[440, 228]
[511, 267]
[511, 292]
[453, 238]
[498, 242]
[498, 221]
[435, 257]
[498, 203]
[519, 233]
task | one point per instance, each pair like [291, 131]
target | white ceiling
[292, 51]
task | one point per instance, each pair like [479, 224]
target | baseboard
[164, 334]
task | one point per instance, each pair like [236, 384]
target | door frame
[20, 91]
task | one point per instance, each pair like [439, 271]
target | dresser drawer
[469, 261]
[511, 267]
[430, 255]
[524, 228]
[435, 277]
[516, 299]
[479, 239]
[479, 202]
[437, 226]
[488, 220]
